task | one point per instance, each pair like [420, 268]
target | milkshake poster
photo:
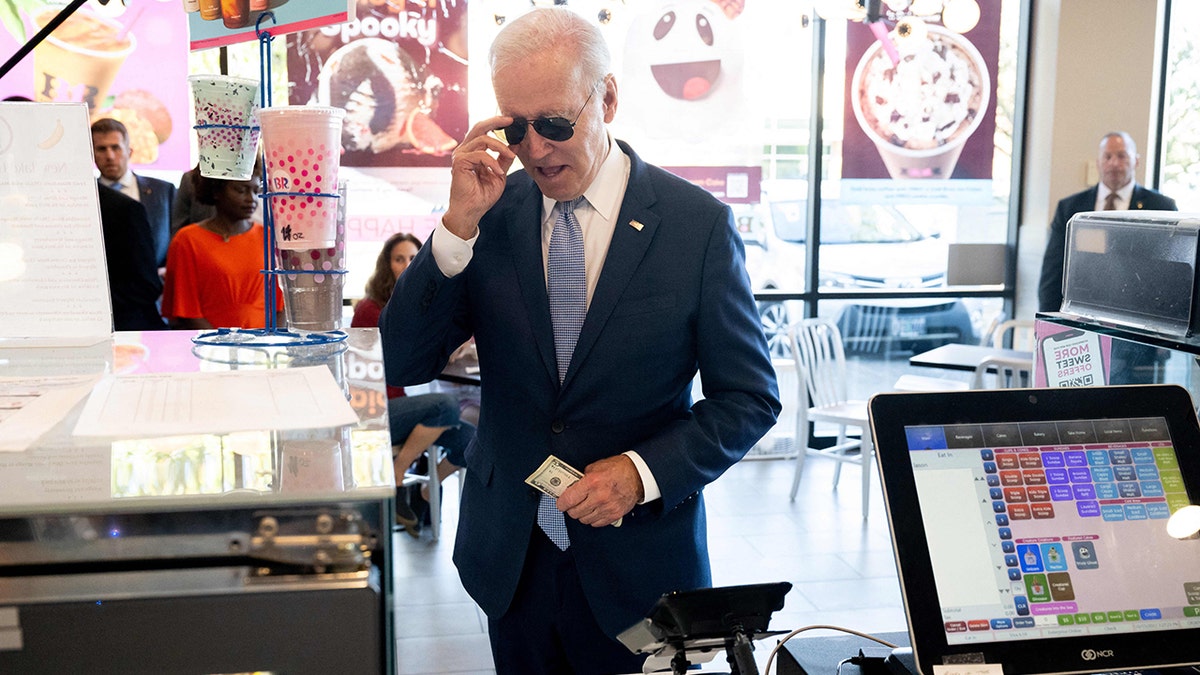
[123, 60]
[920, 103]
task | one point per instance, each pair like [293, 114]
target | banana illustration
[54, 137]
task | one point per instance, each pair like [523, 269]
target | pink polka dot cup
[302, 149]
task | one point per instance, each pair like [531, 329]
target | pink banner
[399, 73]
[125, 63]
[226, 22]
[730, 184]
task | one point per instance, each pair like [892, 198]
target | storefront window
[1179, 164]
[920, 131]
[722, 93]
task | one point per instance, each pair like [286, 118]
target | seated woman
[420, 421]
[214, 267]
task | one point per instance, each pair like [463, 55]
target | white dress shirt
[126, 185]
[1124, 197]
[597, 219]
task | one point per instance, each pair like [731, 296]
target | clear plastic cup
[313, 302]
[313, 290]
[302, 147]
[228, 149]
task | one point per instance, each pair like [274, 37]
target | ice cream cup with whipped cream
[919, 112]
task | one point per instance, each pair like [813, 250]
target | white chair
[821, 370]
[1014, 334]
[432, 456]
[1000, 372]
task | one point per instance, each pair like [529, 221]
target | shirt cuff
[449, 252]
[649, 485]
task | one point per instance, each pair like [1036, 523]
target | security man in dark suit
[1117, 163]
[110, 144]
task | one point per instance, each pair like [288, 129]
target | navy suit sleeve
[1050, 283]
[416, 351]
[134, 285]
[741, 397]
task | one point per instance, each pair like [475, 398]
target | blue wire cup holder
[327, 264]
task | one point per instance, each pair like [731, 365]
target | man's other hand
[609, 489]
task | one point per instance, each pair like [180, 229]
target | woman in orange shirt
[214, 267]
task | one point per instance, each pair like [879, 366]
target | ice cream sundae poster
[920, 113]
[122, 59]
[217, 23]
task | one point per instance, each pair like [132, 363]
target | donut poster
[399, 70]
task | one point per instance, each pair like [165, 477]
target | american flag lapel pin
[636, 225]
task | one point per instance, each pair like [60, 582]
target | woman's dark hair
[379, 286]
[208, 188]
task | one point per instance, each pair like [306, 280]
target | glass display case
[255, 550]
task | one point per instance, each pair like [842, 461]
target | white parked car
[865, 246]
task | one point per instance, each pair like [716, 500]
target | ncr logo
[1094, 654]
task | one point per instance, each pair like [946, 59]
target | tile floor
[841, 566]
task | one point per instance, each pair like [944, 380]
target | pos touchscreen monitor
[1030, 526]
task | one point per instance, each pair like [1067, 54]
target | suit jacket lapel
[1137, 200]
[525, 235]
[625, 253]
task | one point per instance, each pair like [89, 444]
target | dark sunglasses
[550, 128]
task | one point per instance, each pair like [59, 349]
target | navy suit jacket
[1050, 285]
[156, 196]
[673, 296]
[133, 283]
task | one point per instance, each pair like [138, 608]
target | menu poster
[226, 22]
[123, 59]
[53, 276]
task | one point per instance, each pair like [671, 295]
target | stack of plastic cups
[226, 125]
[302, 146]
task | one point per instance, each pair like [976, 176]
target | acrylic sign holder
[272, 335]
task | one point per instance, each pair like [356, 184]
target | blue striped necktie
[567, 287]
[566, 283]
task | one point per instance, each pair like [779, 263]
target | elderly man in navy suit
[110, 144]
[595, 286]
[1117, 161]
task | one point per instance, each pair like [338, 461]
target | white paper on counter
[174, 404]
[31, 406]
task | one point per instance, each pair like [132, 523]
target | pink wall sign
[124, 62]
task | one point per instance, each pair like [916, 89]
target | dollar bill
[554, 476]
